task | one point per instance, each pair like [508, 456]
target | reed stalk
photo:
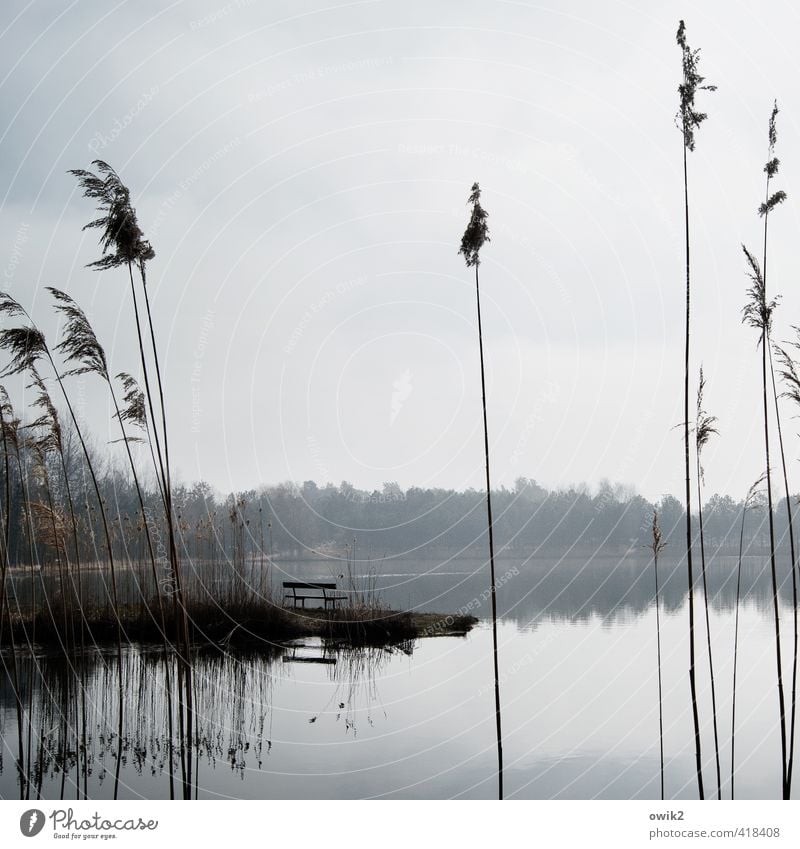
[657, 545]
[689, 120]
[123, 244]
[475, 236]
[26, 345]
[749, 502]
[757, 313]
[704, 428]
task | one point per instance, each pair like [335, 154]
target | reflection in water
[567, 589]
[563, 588]
[71, 755]
[311, 719]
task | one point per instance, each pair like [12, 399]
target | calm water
[578, 685]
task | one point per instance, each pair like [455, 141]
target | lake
[579, 696]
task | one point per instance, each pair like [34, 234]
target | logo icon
[31, 822]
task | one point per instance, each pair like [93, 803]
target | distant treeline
[420, 521]
[307, 519]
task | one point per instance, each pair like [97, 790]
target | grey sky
[302, 170]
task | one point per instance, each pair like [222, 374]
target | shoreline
[220, 628]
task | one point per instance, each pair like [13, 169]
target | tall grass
[750, 502]
[703, 430]
[791, 379]
[474, 238]
[657, 545]
[793, 569]
[689, 120]
[123, 244]
[82, 350]
[46, 404]
[26, 345]
[8, 433]
[772, 199]
[48, 441]
[757, 313]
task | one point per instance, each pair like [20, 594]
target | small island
[228, 626]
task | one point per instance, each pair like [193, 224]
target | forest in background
[308, 519]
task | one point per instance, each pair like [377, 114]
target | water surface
[578, 683]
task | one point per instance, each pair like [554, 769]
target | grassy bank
[231, 625]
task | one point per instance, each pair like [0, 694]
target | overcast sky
[302, 170]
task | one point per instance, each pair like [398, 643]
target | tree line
[309, 519]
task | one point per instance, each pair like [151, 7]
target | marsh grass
[229, 622]
[757, 313]
[84, 353]
[26, 346]
[8, 433]
[473, 240]
[751, 502]
[657, 545]
[771, 201]
[704, 429]
[123, 244]
[689, 120]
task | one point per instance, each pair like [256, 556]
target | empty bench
[298, 592]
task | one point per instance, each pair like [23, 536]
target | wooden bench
[326, 657]
[301, 591]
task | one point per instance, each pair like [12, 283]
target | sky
[302, 170]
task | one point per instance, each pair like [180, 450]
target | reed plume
[81, 348]
[123, 244]
[772, 199]
[757, 313]
[121, 239]
[688, 120]
[474, 238]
